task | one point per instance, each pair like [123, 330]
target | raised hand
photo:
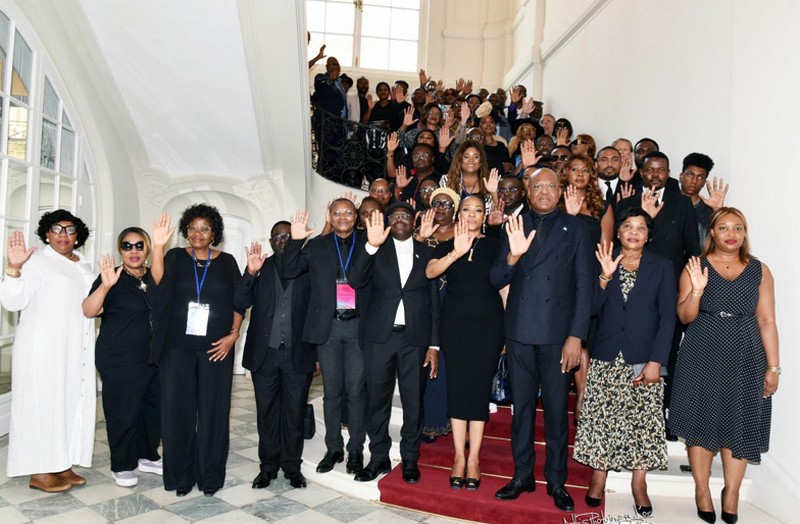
[403, 179]
[108, 276]
[496, 215]
[426, 226]
[429, 97]
[161, 232]
[573, 201]
[411, 202]
[493, 181]
[408, 117]
[608, 264]
[698, 275]
[626, 171]
[462, 239]
[423, 78]
[255, 259]
[299, 224]
[650, 203]
[445, 137]
[440, 85]
[460, 85]
[370, 101]
[518, 243]
[464, 113]
[468, 87]
[392, 142]
[562, 137]
[397, 94]
[625, 190]
[529, 155]
[17, 254]
[449, 120]
[376, 234]
[716, 193]
[527, 107]
[352, 197]
[321, 53]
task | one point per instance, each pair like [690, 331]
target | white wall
[712, 77]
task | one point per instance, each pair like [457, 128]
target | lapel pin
[416, 256]
[565, 228]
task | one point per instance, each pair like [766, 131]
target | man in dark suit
[329, 93]
[332, 324]
[281, 364]
[546, 259]
[642, 148]
[401, 335]
[674, 220]
[609, 163]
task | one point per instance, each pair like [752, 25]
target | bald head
[543, 190]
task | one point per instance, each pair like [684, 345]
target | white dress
[52, 366]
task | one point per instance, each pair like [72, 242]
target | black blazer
[550, 297]
[259, 292]
[642, 327]
[320, 259]
[670, 185]
[674, 232]
[380, 274]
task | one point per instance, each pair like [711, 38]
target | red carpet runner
[434, 495]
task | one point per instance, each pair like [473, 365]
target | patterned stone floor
[103, 501]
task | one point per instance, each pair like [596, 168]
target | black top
[179, 287]
[125, 331]
[496, 155]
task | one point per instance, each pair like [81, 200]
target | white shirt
[603, 187]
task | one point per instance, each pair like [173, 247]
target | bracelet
[605, 279]
[12, 272]
[775, 369]
[235, 330]
[448, 255]
[696, 293]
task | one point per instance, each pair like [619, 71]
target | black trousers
[395, 359]
[531, 367]
[132, 411]
[195, 412]
[281, 397]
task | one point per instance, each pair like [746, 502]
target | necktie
[540, 232]
[609, 192]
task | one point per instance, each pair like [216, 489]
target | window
[372, 34]
[35, 175]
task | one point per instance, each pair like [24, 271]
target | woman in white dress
[52, 366]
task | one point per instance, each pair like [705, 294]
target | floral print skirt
[621, 425]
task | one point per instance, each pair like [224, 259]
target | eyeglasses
[58, 228]
[544, 187]
[127, 246]
[444, 204]
[659, 170]
[342, 213]
[503, 190]
[281, 236]
[394, 217]
[556, 158]
[421, 156]
[380, 191]
[427, 190]
[200, 229]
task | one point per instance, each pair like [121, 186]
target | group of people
[584, 265]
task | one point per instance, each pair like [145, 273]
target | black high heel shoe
[727, 518]
[456, 482]
[644, 511]
[592, 502]
[472, 484]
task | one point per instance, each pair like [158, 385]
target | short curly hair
[207, 212]
[59, 215]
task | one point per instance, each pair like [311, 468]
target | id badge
[197, 319]
[345, 295]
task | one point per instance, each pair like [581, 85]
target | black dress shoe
[411, 473]
[727, 518]
[182, 492]
[513, 489]
[296, 479]
[355, 462]
[593, 502]
[373, 469]
[561, 498]
[707, 516]
[263, 479]
[329, 460]
[209, 492]
[428, 439]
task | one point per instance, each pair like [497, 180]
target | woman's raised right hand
[17, 254]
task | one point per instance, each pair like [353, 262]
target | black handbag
[309, 423]
[501, 383]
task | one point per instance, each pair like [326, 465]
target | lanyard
[342, 264]
[197, 281]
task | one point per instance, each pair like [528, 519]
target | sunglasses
[58, 228]
[127, 246]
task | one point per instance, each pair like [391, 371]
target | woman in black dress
[471, 334]
[196, 328]
[728, 365]
[121, 298]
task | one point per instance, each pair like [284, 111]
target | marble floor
[101, 500]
